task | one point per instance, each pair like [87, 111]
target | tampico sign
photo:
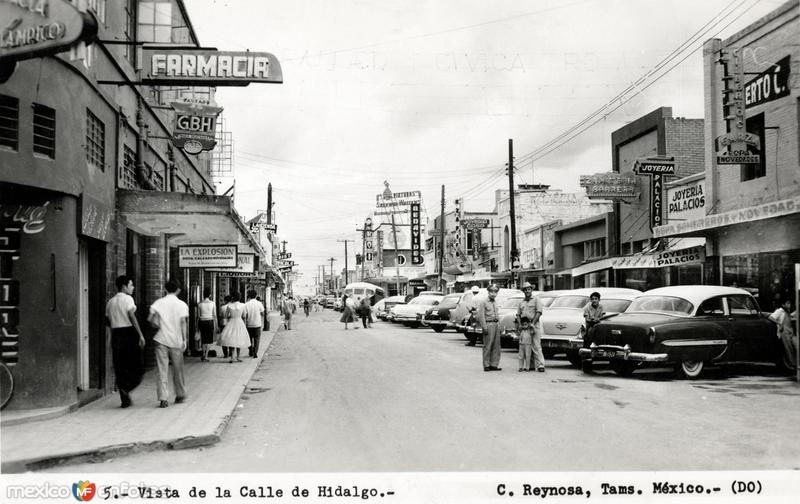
[192, 66]
[33, 28]
[207, 256]
[195, 127]
[613, 186]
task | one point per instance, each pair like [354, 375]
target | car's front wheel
[438, 328]
[587, 366]
[548, 354]
[624, 367]
[689, 369]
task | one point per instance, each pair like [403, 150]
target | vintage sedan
[688, 327]
[461, 316]
[382, 308]
[507, 308]
[410, 314]
[438, 317]
[563, 326]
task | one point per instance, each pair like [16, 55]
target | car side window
[742, 306]
[711, 307]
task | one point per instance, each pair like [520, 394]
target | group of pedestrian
[241, 325]
[351, 313]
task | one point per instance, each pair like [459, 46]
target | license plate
[609, 353]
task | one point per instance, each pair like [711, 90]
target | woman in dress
[348, 312]
[206, 321]
[235, 334]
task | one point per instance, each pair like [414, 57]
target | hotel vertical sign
[416, 227]
[736, 146]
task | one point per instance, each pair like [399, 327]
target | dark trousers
[127, 358]
[255, 338]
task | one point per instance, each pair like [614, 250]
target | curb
[98, 455]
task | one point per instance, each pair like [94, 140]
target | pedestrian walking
[306, 306]
[472, 318]
[365, 312]
[593, 312]
[222, 321]
[487, 313]
[288, 308]
[235, 335]
[254, 321]
[127, 340]
[348, 312]
[525, 337]
[531, 308]
[206, 321]
[782, 317]
[171, 316]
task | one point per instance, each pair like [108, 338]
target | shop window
[95, 141]
[44, 130]
[594, 249]
[155, 21]
[9, 122]
[755, 125]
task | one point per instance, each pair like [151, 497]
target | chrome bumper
[619, 352]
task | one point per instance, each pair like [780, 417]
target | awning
[704, 226]
[188, 219]
[674, 257]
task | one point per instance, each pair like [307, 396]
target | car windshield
[546, 300]
[570, 302]
[425, 300]
[615, 305]
[451, 300]
[510, 303]
[667, 304]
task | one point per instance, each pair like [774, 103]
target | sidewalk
[102, 429]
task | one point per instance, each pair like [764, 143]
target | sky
[427, 93]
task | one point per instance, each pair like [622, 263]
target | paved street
[397, 399]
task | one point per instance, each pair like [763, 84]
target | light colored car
[411, 314]
[383, 307]
[460, 316]
[563, 326]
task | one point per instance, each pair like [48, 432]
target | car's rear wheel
[689, 369]
[438, 328]
[574, 358]
[623, 367]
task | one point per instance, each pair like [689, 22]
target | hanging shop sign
[245, 263]
[613, 186]
[769, 85]
[683, 257]
[35, 28]
[736, 146]
[193, 66]
[262, 226]
[416, 228]
[471, 224]
[207, 256]
[656, 167]
[195, 127]
[95, 218]
[749, 214]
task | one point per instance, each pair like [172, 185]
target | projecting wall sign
[192, 66]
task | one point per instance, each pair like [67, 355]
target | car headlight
[652, 334]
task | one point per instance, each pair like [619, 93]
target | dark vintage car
[689, 327]
[438, 317]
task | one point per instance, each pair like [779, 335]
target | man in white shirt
[170, 315]
[127, 340]
[254, 320]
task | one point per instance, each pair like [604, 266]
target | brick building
[752, 211]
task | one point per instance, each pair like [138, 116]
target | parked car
[507, 300]
[382, 307]
[563, 326]
[506, 323]
[337, 304]
[438, 317]
[689, 327]
[460, 316]
[410, 314]
[329, 300]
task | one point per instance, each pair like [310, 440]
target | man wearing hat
[473, 306]
[487, 314]
[531, 308]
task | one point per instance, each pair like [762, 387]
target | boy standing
[170, 315]
[525, 334]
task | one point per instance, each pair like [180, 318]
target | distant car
[383, 306]
[689, 327]
[337, 304]
[438, 317]
[563, 326]
[410, 314]
[329, 300]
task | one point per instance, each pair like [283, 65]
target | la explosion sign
[188, 66]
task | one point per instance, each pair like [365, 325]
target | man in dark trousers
[127, 340]
[487, 314]
[254, 321]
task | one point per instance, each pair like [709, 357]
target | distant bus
[358, 290]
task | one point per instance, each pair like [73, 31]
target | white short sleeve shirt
[170, 311]
[117, 310]
[254, 310]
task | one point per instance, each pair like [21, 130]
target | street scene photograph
[448, 251]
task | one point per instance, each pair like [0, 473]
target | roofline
[780, 11]
[188, 20]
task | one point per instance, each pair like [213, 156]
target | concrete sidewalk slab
[102, 429]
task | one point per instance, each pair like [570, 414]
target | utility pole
[367, 229]
[331, 260]
[323, 279]
[440, 252]
[346, 279]
[514, 256]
